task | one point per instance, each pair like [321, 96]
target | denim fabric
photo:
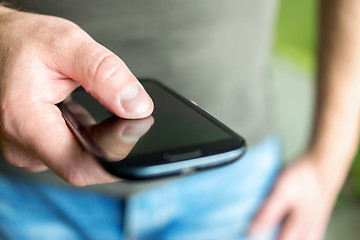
[31, 210]
[216, 204]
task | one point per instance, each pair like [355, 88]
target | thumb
[105, 76]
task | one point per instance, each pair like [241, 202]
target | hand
[43, 59]
[301, 199]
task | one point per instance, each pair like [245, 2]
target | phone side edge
[177, 168]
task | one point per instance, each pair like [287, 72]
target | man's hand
[301, 199]
[43, 59]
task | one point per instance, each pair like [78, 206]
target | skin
[44, 58]
[114, 136]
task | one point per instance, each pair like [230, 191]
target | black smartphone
[178, 138]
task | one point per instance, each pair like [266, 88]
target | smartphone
[178, 138]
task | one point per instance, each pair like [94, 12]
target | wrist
[331, 170]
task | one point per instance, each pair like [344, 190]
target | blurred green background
[296, 32]
[295, 40]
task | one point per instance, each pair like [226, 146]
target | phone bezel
[212, 155]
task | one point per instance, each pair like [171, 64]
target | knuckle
[37, 168]
[75, 177]
[6, 122]
[66, 29]
[16, 157]
[13, 125]
[105, 67]
[13, 160]
[65, 33]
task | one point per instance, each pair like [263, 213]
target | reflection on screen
[176, 125]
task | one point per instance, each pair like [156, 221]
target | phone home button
[182, 156]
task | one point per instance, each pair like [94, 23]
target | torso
[213, 52]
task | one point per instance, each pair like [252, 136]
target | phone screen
[178, 127]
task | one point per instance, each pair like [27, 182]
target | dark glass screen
[176, 125]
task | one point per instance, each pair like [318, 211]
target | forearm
[337, 118]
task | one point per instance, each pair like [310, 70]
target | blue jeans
[216, 204]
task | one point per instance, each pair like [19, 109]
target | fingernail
[135, 130]
[134, 99]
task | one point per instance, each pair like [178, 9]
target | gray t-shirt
[213, 52]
